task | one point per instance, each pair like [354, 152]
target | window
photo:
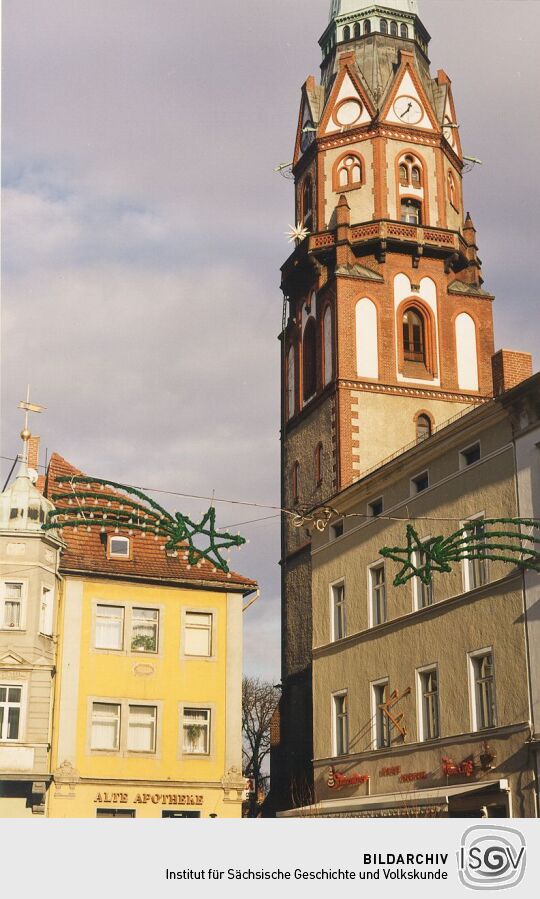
[414, 341]
[469, 456]
[115, 813]
[198, 634]
[348, 172]
[410, 172]
[307, 201]
[423, 593]
[291, 385]
[403, 174]
[119, 548]
[357, 30]
[376, 507]
[319, 464]
[296, 482]
[336, 530]
[144, 630]
[367, 27]
[415, 176]
[142, 728]
[327, 345]
[196, 731]
[483, 689]
[378, 594]
[346, 33]
[105, 726]
[310, 359]
[12, 600]
[452, 190]
[338, 611]
[341, 724]
[423, 428]
[393, 29]
[475, 570]
[109, 627]
[429, 701]
[384, 26]
[404, 31]
[381, 720]
[411, 211]
[46, 612]
[420, 483]
[10, 712]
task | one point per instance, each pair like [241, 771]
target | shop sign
[390, 772]
[148, 798]
[413, 777]
[462, 769]
[336, 780]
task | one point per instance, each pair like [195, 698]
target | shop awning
[403, 799]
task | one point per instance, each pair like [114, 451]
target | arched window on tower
[307, 202]
[452, 190]
[423, 428]
[384, 26]
[416, 179]
[411, 211]
[318, 464]
[291, 383]
[367, 27]
[309, 359]
[348, 172]
[403, 174]
[410, 171]
[346, 33]
[414, 336]
[357, 30]
[327, 346]
[404, 31]
[393, 29]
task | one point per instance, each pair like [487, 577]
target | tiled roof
[87, 552]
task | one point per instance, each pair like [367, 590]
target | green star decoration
[510, 540]
[96, 503]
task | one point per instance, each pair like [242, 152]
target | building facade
[29, 588]
[388, 330]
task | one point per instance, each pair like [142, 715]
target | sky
[144, 229]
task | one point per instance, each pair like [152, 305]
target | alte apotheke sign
[148, 798]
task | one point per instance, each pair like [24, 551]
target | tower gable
[407, 103]
[348, 105]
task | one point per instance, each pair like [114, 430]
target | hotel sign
[336, 780]
[148, 798]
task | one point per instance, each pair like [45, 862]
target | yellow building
[147, 713]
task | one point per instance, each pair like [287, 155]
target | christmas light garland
[474, 541]
[85, 506]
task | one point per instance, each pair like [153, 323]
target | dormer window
[119, 547]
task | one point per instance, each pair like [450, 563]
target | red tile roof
[86, 552]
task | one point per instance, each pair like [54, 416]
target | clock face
[348, 112]
[408, 110]
[308, 135]
[449, 132]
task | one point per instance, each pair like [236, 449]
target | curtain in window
[144, 630]
[142, 728]
[196, 731]
[198, 639]
[109, 627]
[105, 725]
[12, 605]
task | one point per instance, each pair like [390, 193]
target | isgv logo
[491, 858]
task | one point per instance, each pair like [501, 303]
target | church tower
[387, 332]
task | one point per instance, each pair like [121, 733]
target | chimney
[33, 452]
[510, 368]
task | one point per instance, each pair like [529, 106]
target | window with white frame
[429, 704]
[483, 689]
[377, 582]
[119, 547]
[475, 569]
[381, 721]
[341, 723]
[144, 630]
[198, 634]
[338, 611]
[196, 731]
[142, 728]
[11, 607]
[105, 726]
[109, 627]
[10, 712]
[470, 455]
[423, 593]
[46, 611]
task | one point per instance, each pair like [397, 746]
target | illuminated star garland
[95, 503]
[495, 539]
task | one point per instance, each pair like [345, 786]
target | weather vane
[28, 407]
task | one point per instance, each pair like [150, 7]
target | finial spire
[28, 407]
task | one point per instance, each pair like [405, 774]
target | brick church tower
[388, 332]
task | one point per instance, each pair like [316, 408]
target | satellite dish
[33, 475]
